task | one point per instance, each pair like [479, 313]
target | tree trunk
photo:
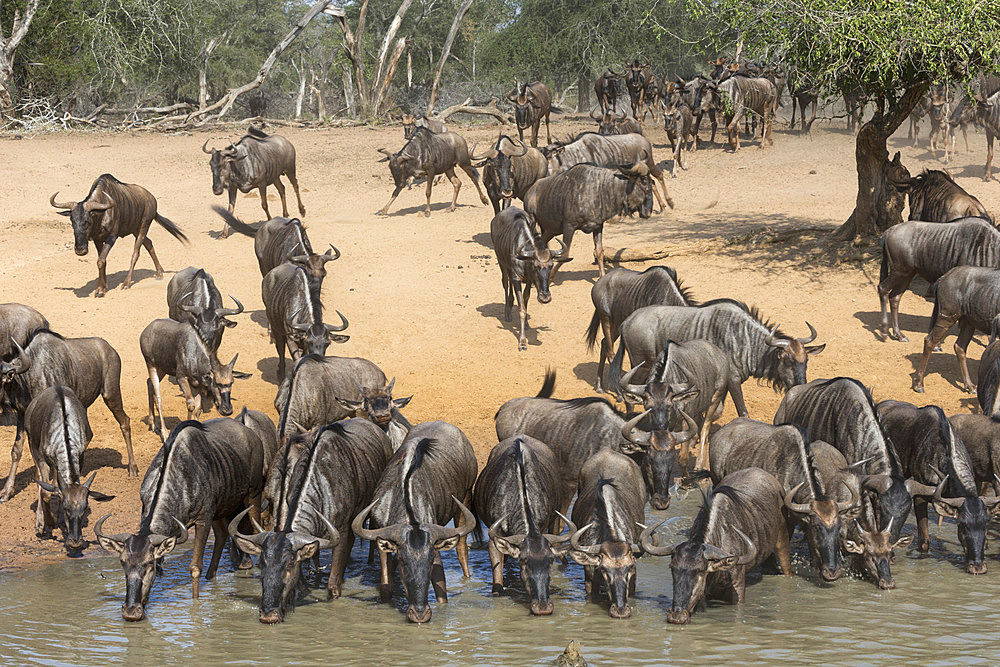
[203, 57]
[444, 54]
[302, 87]
[879, 205]
[352, 108]
[583, 86]
[8, 45]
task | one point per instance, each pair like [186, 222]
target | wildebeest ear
[815, 349]
[902, 542]
[895, 158]
[109, 544]
[446, 543]
[229, 324]
[583, 558]
[100, 497]
[338, 338]
[66, 213]
[853, 547]
[944, 509]
[164, 547]
[246, 545]
[722, 563]
[386, 545]
[240, 375]
[400, 403]
[306, 551]
[349, 404]
[506, 547]
[685, 394]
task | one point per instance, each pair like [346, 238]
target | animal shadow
[439, 207]
[259, 317]
[482, 238]
[586, 371]
[913, 326]
[495, 310]
[115, 280]
[268, 368]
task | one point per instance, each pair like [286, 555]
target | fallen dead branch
[467, 107]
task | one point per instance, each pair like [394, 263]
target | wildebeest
[988, 114]
[988, 386]
[524, 261]
[264, 428]
[812, 475]
[969, 295]
[610, 510]
[613, 151]
[17, 323]
[936, 197]
[652, 96]
[332, 483]
[257, 104]
[427, 154]
[517, 496]
[678, 123]
[981, 436]
[193, 297]
[427, 482]
[281, 240]
[291, 295]
[757, 348]
[532, 102]
[620, 124]
[740, 94]
[577, 428]
[619, 293]
[88, 366]
[58, 432]
[508, 173]
[802, 90]
[606, 89]
[110, 210]
[636, 75]
[740, 524]
[583, 198]
[410, 124]
[933, 454]
[175, 349]
[930, 250]
[204, 474]
[257, 160]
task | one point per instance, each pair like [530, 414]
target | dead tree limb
[466, 107]
[444, 54]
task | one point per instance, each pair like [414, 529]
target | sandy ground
[423, 295]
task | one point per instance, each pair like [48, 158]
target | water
[69, 613]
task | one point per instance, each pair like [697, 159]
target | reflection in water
[69, 613]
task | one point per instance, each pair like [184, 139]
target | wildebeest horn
[812, 335]
[234, 531]
[629, 428]
[95, 206]
[888, 529]
[438, 533]
[597, 118]
[527, 250]
[773, 341]
[843, 507]
[748, 557]
[524, 147]
[915, 488]
[798, 508]
[516, 540]
[299, 259]
[65, 204]
[489, 154]
[939, 495]
[561, 539]
[646, 542]
[683, 436]
[120, 537]
[90, 480]
[385, 152]
[561, 255]
[204, 148]
[223, 312]
[339, 327]
[574, 542]
[334, 539]
[330, 254]
[713, 552]
[877, 483]
[621, 115]
[22, 357]
[184, 532]
[636, 389]
[385, 533]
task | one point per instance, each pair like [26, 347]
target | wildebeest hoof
[381, 212]
[497, 590]
[333, 593]
[427, 213]
[918, 386]
[968, 389]
[246, 563]
[937, 348]
[522, 346]
[302, 211]
[100, 292]
[133, 470]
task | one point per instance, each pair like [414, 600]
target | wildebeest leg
[279, 346]
[588, 581]
[221, 534]
[44, 521]
[890, 291]
[462, 550]
[508, 296]
[736, 392]
[290, 173]
[989, 153]
[102, 264]
[931, 341]
[147, 243]
[658, 175]
[711, 117]
[782, 550]
[385, 585]
[139, 238]
[263, 202]
[189, 398]
[111, 392]
[965, 333]
[15, 457]
[701, 462]
[522, 311]
[548, 137]
[280, 187]
[338, 565]
[232, 205]
[599, 250]
[438, 581]
[153, 389]
[923, 534]
[739, 585]
[450, 173]
[496, 564]
[697, 125]
[198, 554]
[567, 240]
[607, 352]
[474, 177]
[385, 209]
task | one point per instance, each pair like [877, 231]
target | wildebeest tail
[595, 324]
[937, 307]
[883, 271]
[174, 230]
[234, 222]
[554, 109]
[548, 385]
[615, 369]
[255, 131]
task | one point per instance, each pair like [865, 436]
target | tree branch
[444, 54]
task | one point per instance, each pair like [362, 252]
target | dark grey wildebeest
[988, 387]
[509, 170]
[332, 483]
[175, 349]
[575, 429]
[584, 197]
[427, 154]
[609, 124]
[17, 323]
[525, 262]
[193, 297]
[702, 95]
[610, 509]
[930, 250]
[532, 102]
[257, 160]
[607, 151]
[969, 295]
[988, 115]
[740, 524]
[936, 197]
[111, 210]
[517, 496]
[932, 454]
[606, 87]
[427, 483]
[88, 366]
[812, 475]
[678, 123]
[981, 436]
[58, 432]
[410, 124]
[619, 293]
[281, 240]
[204, 474]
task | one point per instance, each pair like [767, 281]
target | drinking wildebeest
[820, 490]
[525, 262]
[988, 387]
[932, 454]
[193, 297]
[175, 349]
[204, 474]
[981, 436]
[291, 295]
[58, 432]
[532, 102]
[418, 494]
[935, 196]
[257, 160]
[321, 390]
[17, 323]
[694, 374]
[611, 124]
[577, 428]
[111, 210]
[930, 250]
[508, 173]
[969, 295]
[410, 124]
[517, 496]
[612, 151]
[88, 366]
[619, 293]
[635, 82]
[333, 482]
[606, 89]
[740, 524]
[611, 508]
[584, 198]
[427, 154]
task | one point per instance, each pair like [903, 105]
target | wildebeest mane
[699, 528]
[426, 447]
[101, 180]
[586, 401]
[168, 447]
[74, 474]
[39, 331]
[894, 461]
[518, 455]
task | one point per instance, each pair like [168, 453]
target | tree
[8, 45]
[889, 51]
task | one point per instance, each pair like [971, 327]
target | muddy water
[68, 613]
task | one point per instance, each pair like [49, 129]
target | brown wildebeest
[606, 88]
[532, 102]
[110, 210]
[935, 196]
[411, 123]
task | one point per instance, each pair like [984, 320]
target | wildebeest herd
[343, 461]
